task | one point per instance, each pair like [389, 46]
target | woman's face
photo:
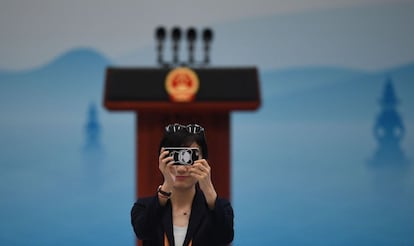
[183, 179]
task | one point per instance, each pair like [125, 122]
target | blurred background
[326, 160]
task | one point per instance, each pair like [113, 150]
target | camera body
[183, 155]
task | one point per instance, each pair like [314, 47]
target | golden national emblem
[182, 84]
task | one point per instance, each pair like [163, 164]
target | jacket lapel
[198, 211]
[167, 223]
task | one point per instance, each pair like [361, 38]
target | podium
[146, 92]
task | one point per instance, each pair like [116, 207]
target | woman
[186, 209]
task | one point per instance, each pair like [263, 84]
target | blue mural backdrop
[326, 160]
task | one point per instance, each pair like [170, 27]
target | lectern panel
[148, 85]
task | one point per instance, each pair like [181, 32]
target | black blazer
[207, 227]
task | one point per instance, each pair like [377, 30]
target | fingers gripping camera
[184, 155]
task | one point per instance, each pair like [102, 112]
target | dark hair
[183, 138]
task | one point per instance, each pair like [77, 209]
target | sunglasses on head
[191, 128]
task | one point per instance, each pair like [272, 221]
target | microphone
[175, 36]
[160, 37]
[191, 38]
[207, 38]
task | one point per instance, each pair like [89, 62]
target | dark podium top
[143, 89]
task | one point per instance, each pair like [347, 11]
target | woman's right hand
[165, 164]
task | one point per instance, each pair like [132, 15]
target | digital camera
[183, 155]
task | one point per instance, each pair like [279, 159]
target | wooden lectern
[220, 91]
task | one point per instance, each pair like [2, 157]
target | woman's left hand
[201, 170]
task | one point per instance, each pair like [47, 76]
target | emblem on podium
[182, 84]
